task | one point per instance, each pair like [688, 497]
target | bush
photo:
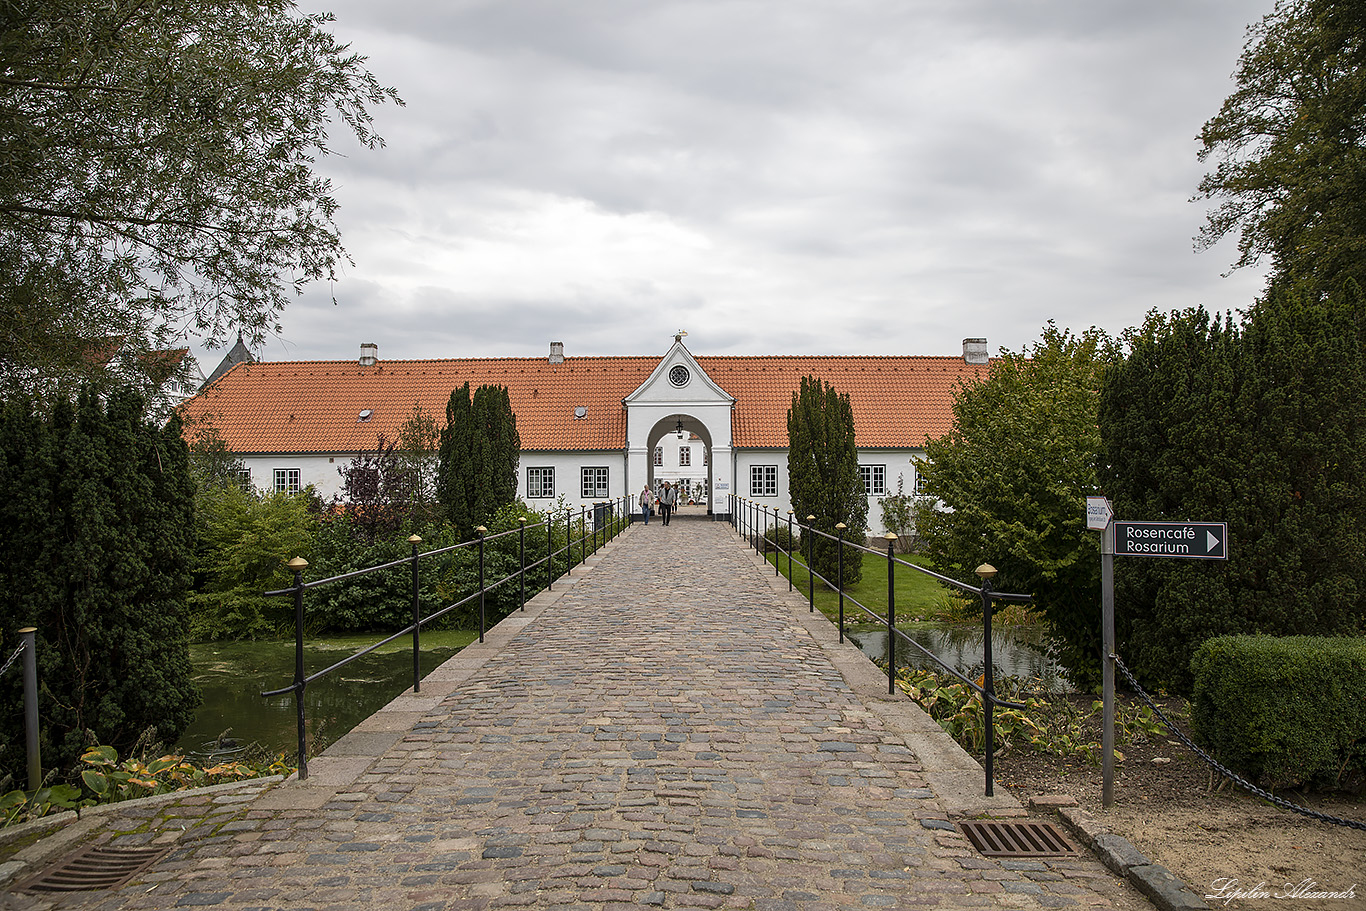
[1283, 711]
[779, 538]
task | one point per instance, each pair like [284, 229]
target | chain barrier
[1227, 773]
[17, 652]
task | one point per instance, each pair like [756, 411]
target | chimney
[557, 352]
[369, 354]
[975, 351]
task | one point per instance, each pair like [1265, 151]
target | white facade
[677, 410]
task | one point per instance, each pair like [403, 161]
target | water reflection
[1017, 651]
[232, 676]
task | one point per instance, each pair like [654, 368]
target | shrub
[1283, 711]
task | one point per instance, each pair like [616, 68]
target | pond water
[232, 676]
[1016, 651]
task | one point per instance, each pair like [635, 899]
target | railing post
[891, 614]
[298, 565]
[840, 527]
[789, 550]
[28, 637]
[417, 619]
[987, 572]
[810, 569]
[481, 530]
[521, 558]
[583, 534]
[568, 544]
[549, 550]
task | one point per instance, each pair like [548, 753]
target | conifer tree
[479, 452]
[1263, 426]
[96, 547]
[822, 473]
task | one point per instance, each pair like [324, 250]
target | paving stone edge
[1162, 887]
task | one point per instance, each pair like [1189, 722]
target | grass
[919, 597]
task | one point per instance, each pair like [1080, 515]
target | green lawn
[918, 596]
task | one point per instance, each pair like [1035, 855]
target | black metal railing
[594, 530]
[752, 521]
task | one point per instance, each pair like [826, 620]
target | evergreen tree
[1008, 486]
[1260, 425]
[479, 452]
[97, 551]
[823, 476]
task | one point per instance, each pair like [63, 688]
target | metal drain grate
[92, 868]
[1016, 839]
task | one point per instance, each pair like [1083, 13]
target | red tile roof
[314, 406]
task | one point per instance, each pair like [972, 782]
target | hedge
[1283, 711]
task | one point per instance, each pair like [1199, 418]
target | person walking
[668, 498]
[645, 500]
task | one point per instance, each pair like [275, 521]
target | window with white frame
[919, 486]
[684, 456]
[287, 480]
[540, 482]
[594, 483]
[874, 479]
[706, 457]
[763, 480]
[243, 476]
[659, 456]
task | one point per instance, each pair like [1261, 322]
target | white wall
[896, 462]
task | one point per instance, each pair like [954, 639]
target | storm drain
[92, 868]
[993, 838]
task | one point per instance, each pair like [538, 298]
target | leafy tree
[158, 172]
[822, 473]
[96, 549]
[1261, 425]
[480, 448]
[418, 452]
[1291, 145]
[1008, 485]
[212, 463]
[245, 540]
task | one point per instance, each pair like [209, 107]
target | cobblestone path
[666, 733]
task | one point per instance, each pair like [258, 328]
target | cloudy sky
[784, 176]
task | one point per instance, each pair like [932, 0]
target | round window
[679, 375]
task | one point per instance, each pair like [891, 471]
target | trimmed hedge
[1283, 711]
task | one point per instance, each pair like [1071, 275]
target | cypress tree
[100, 566]
[822, 473]
[480, 449]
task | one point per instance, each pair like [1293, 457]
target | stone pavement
[671, 729]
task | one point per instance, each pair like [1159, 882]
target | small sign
[1099, 512]
[1191, 540]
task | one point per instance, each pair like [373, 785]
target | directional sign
[1193, 540]
[1099, 512]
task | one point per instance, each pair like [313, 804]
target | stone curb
[1163, 887]
[70, 827]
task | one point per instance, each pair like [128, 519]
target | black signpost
[1191, 540]
[1122, 538]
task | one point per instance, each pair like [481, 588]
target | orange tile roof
[313, 406]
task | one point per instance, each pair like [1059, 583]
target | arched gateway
[678, 401]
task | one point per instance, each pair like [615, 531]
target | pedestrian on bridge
[646, 499]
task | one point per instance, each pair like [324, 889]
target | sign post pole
[1107, 626]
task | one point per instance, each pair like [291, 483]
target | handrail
[614, 511]
[760, 541]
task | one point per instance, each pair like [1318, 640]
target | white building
[594, 428]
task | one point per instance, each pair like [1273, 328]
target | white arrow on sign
[1211, 542]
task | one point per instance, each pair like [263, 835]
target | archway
[679, 448]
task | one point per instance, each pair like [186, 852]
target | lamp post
[986, 572]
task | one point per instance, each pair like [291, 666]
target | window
[595, 483]
[287, 480]
[874, 479]
[659, 456]
[679, 376]
[244, 479]
[763, 480]
[706, 457]
[540, 482]
[684, 456]
[919, 486]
